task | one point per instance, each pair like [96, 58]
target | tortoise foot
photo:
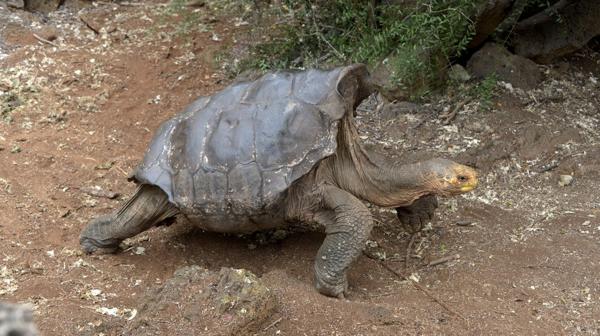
[91, 240]
[337, 289]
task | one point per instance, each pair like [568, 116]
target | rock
[49, 33]
[16, 4]
[248, 75]
[495, 59]
[458, 73]
[44, 6]
[490, 15]
[395, 109]
[381, 76]
[197, 301]
[16, 320]
[96, 191]
[565, 180]
[47, 6]
[475, 126]
[563, 28]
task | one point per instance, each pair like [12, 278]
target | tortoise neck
[372, 177]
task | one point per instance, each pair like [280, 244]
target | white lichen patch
[8, 283]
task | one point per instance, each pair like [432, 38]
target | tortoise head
[448, 178]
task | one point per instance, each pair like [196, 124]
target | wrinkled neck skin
[373, 178]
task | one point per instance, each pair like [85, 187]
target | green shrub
[418, 39]
[485, 91]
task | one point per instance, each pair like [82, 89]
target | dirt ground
[78, 112]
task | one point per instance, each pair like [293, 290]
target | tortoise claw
[333, 290]
[92, 246]
[90, 239]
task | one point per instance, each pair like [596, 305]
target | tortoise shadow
[294, 254]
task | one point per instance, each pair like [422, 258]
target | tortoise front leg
[348, 224]
[146, 208]
[414, 217]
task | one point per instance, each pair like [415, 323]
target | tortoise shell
[240, 149]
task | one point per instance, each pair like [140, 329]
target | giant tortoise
[279, 150]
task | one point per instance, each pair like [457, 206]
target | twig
[440, 302]
[132, 4]
[448, 117]
[321, 37]
[423, 120]
[41, 39]
[443, 260]
[273, 324]
[548, 167]
[425, 291]
[408, 249]
[89, 25]
[377, 295]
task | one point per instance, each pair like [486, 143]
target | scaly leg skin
[348, 224]
[146, 208]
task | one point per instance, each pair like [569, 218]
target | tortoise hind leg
[148, 207]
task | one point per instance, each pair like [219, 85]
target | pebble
[475, 127]
[48, 33]
[458, 73]
[565, 180]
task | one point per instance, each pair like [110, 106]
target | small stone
[48, 33]
[140, 250]
[465, 223]
[5, 85]
[396, 109]
[475, 127]
[16, 4]
[458, 73]
[565, 180]
[105, 166]
[97, 191]
[15, 149]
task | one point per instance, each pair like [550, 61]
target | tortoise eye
[462, 178]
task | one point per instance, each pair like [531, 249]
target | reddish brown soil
[528, 265]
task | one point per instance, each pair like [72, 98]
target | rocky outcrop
[196, 301]
[495, 59]
[490, 15]
[561, 29]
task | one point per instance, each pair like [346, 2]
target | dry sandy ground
[79, 112]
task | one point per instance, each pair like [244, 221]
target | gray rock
[495, 59]
[564, 28]
[16, 4]
[490, 14]
[458, 73]
[44, 6]
[16, 320]
[393, 110]
[382, 78]
[196, 301]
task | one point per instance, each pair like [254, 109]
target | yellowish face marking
[463, 179]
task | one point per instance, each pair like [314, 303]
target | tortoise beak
[471, 182]
[469, 185]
